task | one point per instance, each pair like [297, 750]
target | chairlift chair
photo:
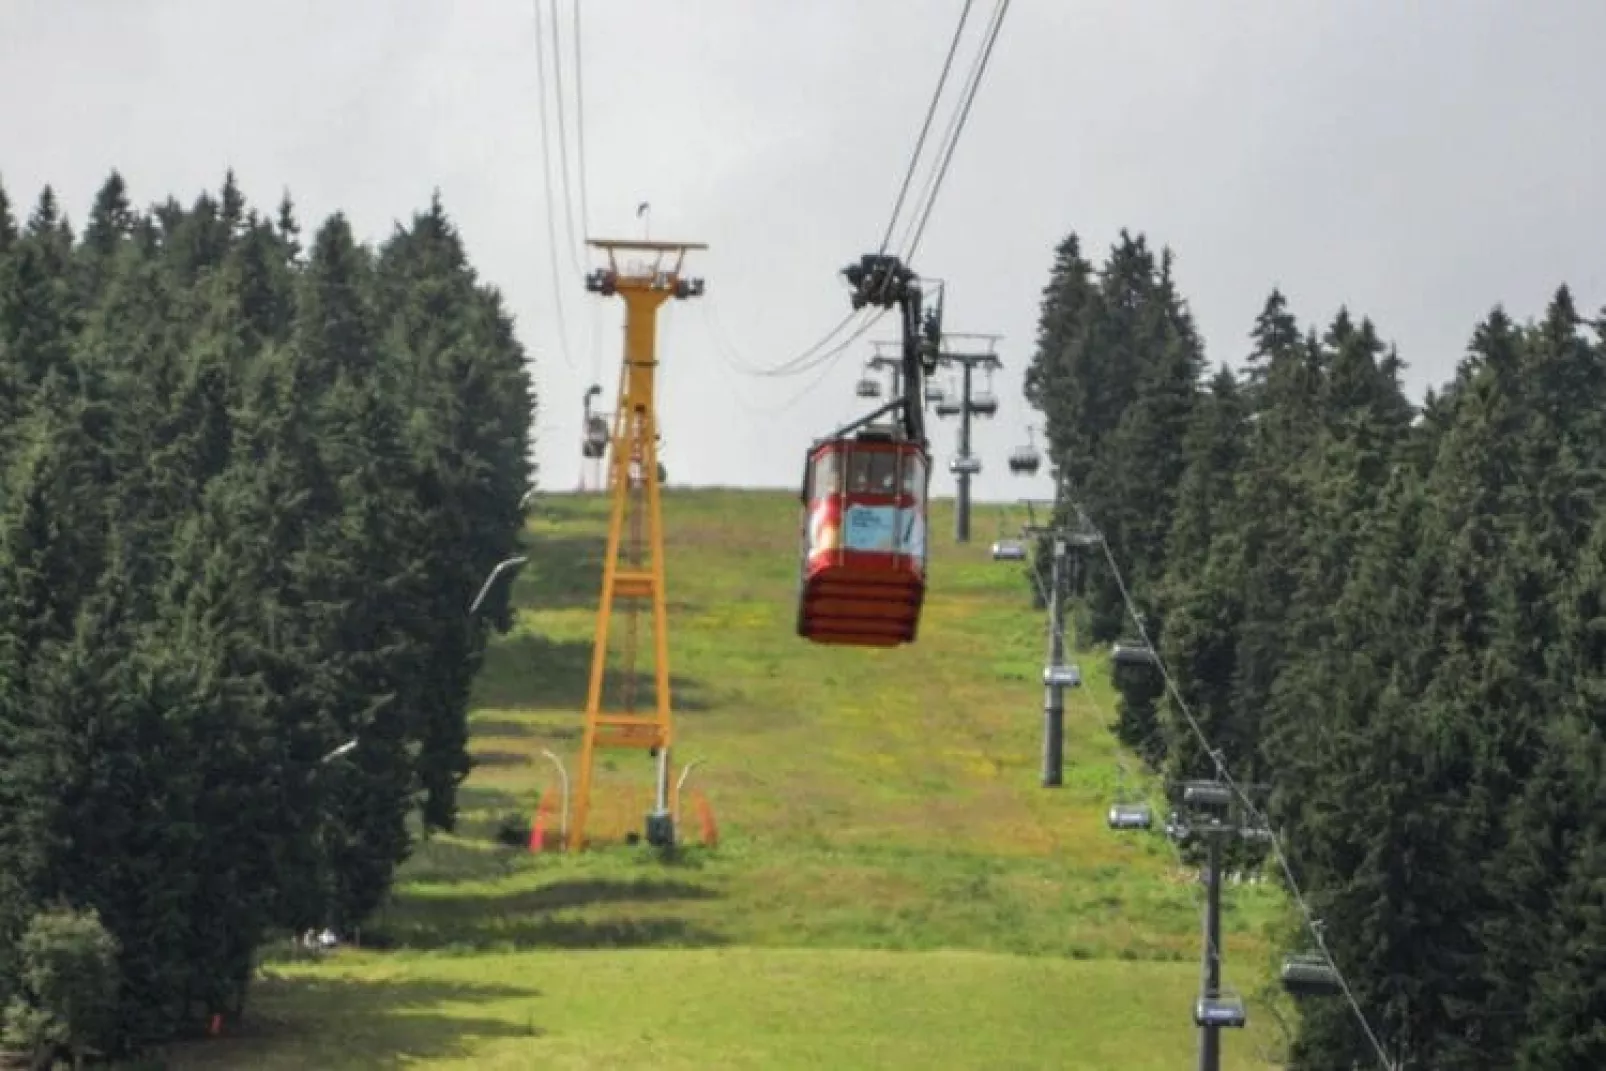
[934, 393]
[1082, 539]
[1009, 550]
[1225, 1009]
[984, 402]
[1023, 461]
[595, 443]
[1063, 676]
[1310, 974]
[1212, 795]
[948, 405]
[1133, 655]
[867, 388]
[1128, 816]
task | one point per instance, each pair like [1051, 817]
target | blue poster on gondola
[871, 528]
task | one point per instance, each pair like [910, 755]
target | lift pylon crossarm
[611, 280]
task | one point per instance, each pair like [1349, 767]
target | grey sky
[1418, 161]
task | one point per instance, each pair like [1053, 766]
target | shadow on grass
[478, 798]
[528, 670]
[334, 1021]
[564, 572]
[511, 727]
[523, 920]
[441, 861]
[494, 757]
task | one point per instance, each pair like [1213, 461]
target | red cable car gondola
[863, 570]
[864, 540]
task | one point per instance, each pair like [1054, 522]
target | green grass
[891, 887]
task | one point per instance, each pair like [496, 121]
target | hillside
[891, 887]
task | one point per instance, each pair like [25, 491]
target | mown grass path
[891, 888]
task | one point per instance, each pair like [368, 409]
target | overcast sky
[1419, 161]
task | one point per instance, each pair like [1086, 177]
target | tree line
[247, 491]
[1393, 615]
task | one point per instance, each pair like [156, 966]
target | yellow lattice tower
[633, 565]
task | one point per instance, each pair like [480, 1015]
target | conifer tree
[246, 497]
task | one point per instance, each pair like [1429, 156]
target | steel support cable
[807, 389]
[546, 183]
[733, 360]
[961, 118]
[803, 362]
[584, 183]
[580, 125]
[727, 349]
[825, 365]
[1243, 798]
[576, 243]
[558, 93]
[910, 239]
[834, 354]
[925, 127]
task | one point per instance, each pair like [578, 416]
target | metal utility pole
[965, 464]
